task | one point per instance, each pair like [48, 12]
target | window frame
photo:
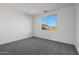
[47, 22]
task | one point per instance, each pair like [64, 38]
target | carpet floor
[37, 46]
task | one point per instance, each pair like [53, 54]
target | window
[49, 22]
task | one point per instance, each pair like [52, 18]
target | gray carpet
[37, 46]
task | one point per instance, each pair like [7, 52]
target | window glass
[48, 23]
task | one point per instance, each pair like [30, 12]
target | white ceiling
[37, 8]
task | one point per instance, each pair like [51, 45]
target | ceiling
[37, 8]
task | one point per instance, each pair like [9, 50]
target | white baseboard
[8, 40]
[53, 39]
[77, 49]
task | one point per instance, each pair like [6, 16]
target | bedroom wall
[77, 27]
[14, 25]
[65, 26]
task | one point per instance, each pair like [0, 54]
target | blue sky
[49, 20]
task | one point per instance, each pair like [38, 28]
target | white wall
[65, 26]
[77, 27]
[14, 25]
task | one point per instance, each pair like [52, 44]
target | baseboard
[76, 49]
[9, 40]
[53, 40]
